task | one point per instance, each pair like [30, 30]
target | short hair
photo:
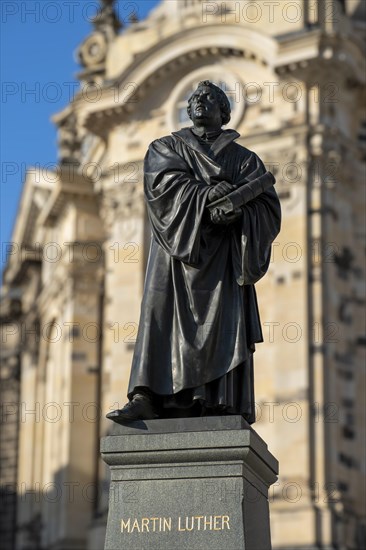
[223, 100]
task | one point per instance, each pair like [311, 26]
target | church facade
[295, 76]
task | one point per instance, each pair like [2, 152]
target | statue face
[205, 107]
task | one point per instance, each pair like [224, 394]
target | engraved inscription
[182, 523]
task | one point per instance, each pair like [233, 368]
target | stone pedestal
[188, 483]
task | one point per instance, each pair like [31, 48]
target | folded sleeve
[175, 201]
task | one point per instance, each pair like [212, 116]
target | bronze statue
[214, 214]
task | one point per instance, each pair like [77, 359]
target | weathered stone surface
[191, 483]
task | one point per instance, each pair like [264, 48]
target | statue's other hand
[219, 217]
[220, 190]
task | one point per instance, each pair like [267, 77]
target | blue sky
[38, 67]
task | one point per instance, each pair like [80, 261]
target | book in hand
[246, 192]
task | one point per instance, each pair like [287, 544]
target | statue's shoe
[139, 408]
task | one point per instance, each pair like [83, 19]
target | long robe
[199, 316]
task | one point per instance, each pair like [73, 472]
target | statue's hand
[220, 190]
[219, 217]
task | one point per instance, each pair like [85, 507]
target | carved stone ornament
[122, 203]
[106, 18]
[93, 51]
[68, 141]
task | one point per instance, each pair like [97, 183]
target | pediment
[36, 191]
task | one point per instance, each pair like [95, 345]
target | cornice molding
[160, 61]
[315, 56]
[100, 122]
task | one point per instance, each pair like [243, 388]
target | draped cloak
[199, 316]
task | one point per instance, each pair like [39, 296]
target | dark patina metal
[199, 316]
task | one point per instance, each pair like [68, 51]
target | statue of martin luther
[214, 214]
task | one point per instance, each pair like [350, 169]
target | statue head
[208, 103]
